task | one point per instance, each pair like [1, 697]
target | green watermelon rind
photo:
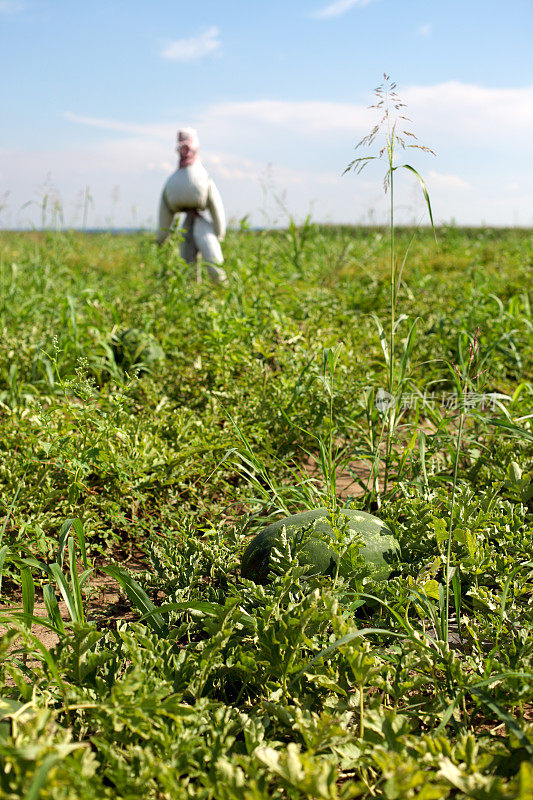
[379, 548]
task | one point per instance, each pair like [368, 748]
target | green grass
[222, 688]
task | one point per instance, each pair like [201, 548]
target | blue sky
[92, 96]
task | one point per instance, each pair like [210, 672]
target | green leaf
[195, 607]
[28, 591]
[65, 591]
[425, 191]
[65, 530]
[76, 589]
[78, 527]
[406, 354]
[382, 338]
[139, 598]
[3, 553]
[440, 525]
[456, 585]
[514, 430]
[431, 588]
[445, 718]
[52, 608]
[28, 620]
[69, 524]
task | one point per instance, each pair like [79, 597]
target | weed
[391, 129]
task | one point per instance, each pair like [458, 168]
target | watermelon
[137, 349]
[380, 550]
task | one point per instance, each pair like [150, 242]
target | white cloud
[312, 117]
[473, 115]
[452, 112]
[194, 48]
[337, 8]
[425, 30]
[158, 131]
[233, 167]
[468, 110]
[441, 181]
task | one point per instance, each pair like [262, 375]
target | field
[135, 660]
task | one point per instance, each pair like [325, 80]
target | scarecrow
[190, 189]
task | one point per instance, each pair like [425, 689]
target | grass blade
[456, 585]
[196, 607]
[65, 591]
[39, 778]
[445, 718]
[514, 430]
[24, 618]
[3, 553]
[78, 527]
[52, 608]
[76, 589]
[28, 592]
[69, 524]
[409, 344]
[421, 436]
[65, 530]
[382, 338]
[425, 191]
[139, 598]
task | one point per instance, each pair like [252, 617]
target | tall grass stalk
[465, 381]
[391, 128]
[450, 525]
